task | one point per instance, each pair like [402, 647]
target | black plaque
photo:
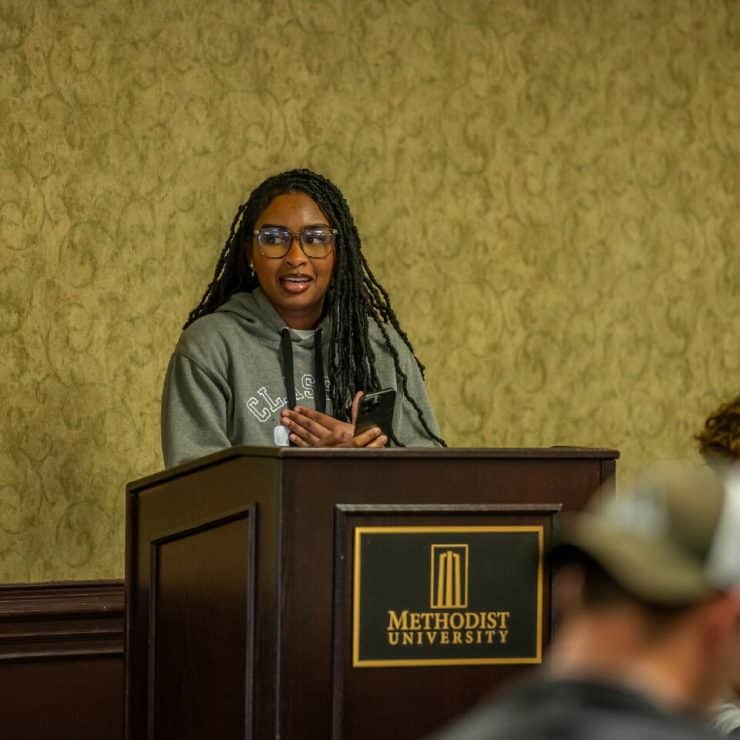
[447, 595]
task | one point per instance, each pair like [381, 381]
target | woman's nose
[295, 254]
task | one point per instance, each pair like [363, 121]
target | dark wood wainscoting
[61, 661]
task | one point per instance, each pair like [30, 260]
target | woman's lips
[295, 283]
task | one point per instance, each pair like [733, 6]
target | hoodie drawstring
[318, 374]
[287, 355]
[286, 352]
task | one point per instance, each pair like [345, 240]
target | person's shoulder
[501, 717]
[243, 309]
[233, 326]
[206, 333]
[478, 724]
[614, 707]
[545, 707]
[380, 333]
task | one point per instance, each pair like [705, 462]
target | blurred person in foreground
[719, 445]
[647, 592]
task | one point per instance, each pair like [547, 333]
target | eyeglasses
[275, 241]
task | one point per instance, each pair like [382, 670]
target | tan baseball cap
[671, 538]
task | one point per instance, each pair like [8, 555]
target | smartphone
[376, 410]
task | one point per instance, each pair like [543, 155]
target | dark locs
[354, 297]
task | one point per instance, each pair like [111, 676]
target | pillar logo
[449, 581]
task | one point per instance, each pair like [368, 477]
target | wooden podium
[288, 593]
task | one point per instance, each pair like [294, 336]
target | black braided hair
[354, 297]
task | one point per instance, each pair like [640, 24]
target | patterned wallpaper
[550, 189]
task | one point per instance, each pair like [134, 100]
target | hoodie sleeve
[407, 425]
[195, 411]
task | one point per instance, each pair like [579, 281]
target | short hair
[601, 589]
[720, 437]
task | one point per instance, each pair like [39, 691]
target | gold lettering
[396, 622]
[472, 620]
[442, 621]
[457, 621]
[447, 628]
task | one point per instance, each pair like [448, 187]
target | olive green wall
[549, 189]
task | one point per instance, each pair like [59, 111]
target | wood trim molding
[61, 619]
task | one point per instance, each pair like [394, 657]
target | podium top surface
[561, 452]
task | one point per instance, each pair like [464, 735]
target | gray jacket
[567, 709]
[227, 380]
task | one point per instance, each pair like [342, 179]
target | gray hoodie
[228, 380]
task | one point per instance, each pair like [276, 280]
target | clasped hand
[311, 428]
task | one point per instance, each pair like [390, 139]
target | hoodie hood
[259, 317]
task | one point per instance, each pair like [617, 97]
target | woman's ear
[248, 262]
